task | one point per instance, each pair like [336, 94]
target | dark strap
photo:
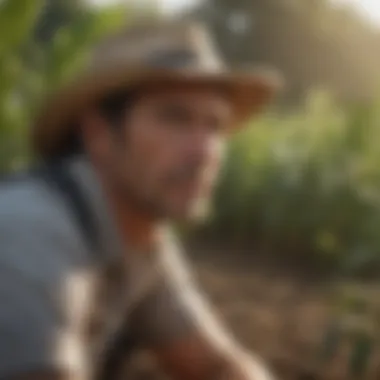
[117, 355]
[122, 348]
[60, 179]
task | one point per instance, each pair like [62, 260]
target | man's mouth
[195, 188]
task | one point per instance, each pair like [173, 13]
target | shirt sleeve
[29, 328]
[37, 326]
[176, 308]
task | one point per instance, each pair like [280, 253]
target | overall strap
[59, 178]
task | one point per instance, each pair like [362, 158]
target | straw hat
[161, 52]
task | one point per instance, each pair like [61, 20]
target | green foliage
[17, 20]
[36, 57]
[16, 24]
[307, 184]
[355, 326]
[56, 14]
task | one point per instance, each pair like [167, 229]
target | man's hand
[194, 358]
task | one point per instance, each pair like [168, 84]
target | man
[141, 133]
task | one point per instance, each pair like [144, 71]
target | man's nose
[204, 147]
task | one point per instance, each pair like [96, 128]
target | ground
[279, 314]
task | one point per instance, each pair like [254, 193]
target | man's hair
[112, 108]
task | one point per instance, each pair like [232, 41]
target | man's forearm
[243, 366]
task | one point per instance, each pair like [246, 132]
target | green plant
[355, 325]
[306, 184]
[31, 70]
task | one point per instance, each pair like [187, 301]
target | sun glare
[369, 9]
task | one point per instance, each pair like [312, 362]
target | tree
[310, 42]
[56, 14]
[34, 61]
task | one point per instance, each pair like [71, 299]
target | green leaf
[17, 19]
[363, 347]
[331, 343]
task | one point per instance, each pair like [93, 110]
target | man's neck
[138, 228]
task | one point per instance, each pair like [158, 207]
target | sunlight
[166, 5]
[370, 9]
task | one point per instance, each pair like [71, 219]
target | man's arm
[180, 328]
[38, 340]
[34, 341]
[197, 356]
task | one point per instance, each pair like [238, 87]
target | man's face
[168, 154]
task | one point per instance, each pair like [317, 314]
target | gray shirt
[60, 303]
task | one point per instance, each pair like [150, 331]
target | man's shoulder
[36, 232]
[28, 203]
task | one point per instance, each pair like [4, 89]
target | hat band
[174, 59]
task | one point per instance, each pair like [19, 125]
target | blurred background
[290, 255]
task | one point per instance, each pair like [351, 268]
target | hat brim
[249, 92]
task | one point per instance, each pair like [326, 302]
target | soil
[279, 314]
